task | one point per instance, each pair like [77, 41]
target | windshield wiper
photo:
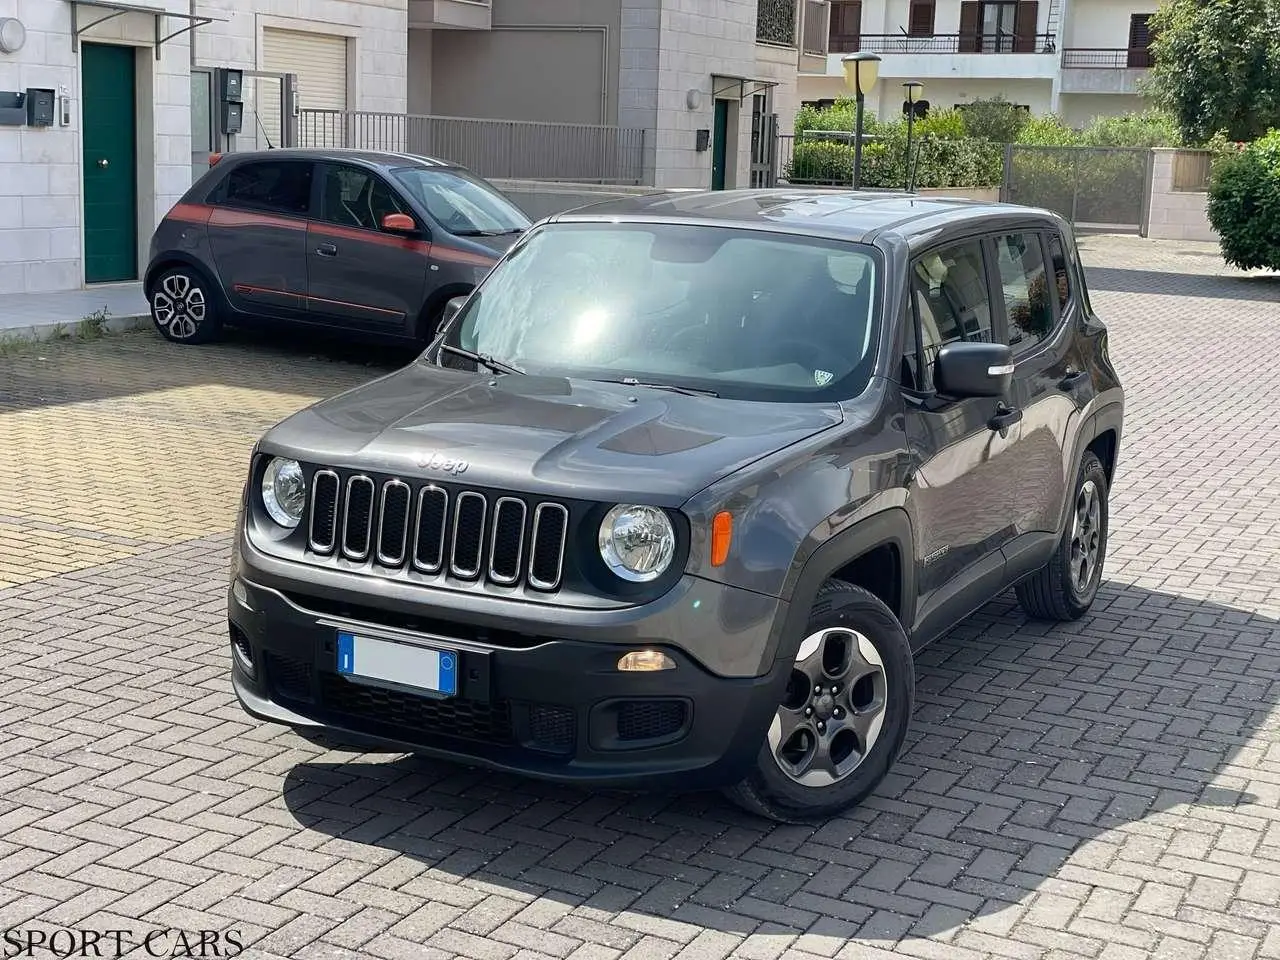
[488, 233]
[687, 391]
[497, 366]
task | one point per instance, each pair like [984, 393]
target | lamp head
[861, 70]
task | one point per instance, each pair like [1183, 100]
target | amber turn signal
[721, 536]
[645, 661]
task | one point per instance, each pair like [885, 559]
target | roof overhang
[113, 9]
[724, 86]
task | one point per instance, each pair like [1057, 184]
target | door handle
[1073, 379]
[1005, 417]
[327, 250]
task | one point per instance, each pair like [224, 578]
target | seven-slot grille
[463, 533]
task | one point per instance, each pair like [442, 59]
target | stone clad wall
[1175, 214]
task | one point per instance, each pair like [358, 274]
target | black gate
[764, 145]
[1096, 188]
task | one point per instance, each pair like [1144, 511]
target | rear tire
[1065, 588]
[844, 716]
[182, 306]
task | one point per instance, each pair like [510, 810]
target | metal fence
[495, 149]
[1100, 188]
[948, 43]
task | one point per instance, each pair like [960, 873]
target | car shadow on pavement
[1255, 287]
[1042, 757]
[139, 364]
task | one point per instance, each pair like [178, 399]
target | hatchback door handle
[1004, 418]
[327, 250]
[1073, 379]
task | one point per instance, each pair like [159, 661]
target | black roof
[381, 158]
[847, 214]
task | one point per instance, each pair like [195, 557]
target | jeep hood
[543, 435]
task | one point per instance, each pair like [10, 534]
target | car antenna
[265, 136]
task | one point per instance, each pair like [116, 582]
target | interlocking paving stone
[1106, 789]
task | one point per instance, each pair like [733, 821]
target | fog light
[645, 661]
[241, 594]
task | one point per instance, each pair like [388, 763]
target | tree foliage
[1216, 66]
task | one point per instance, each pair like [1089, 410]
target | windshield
[742, 313]
[464, 205]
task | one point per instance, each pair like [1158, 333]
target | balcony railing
[815, 31]
[776, 22]
[943, 43]
[1108, 59]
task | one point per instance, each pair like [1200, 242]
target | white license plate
[403, 664]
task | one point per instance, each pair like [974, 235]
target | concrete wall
[1077, 109]
[1176, 214]
[543, 60]
[41, 240]
[886, 100]
[377, 31]
[1101, 24]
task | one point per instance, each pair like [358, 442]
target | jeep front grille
[464, 534]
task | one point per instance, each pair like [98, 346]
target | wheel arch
[169, 260]
[1100, 435]
[434, 304]
[876, 553]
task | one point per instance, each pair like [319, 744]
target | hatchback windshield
[742, 313]
[464, 205]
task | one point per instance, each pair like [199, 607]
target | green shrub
[1244, 204]
[995, 119]
[939, 162]
[1151, 128]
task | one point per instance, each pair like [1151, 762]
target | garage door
[320, 62]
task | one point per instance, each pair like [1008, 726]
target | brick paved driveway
[1107, 790]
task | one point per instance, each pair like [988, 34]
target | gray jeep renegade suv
[675, 495]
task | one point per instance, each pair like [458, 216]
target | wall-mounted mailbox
[230, 85]
[231, 118]
[13, 111]
[40, 107]
[702, 143]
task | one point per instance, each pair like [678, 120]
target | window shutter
[846, 26]
[920, 19]
[969, 26]
[1024, 26]
[1139, 40]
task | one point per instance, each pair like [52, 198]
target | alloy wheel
[179, 306]
[833, 710]
[1086, 536]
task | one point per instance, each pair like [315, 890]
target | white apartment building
[128, 86]
[1078, 58]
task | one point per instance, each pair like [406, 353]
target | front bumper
[552, 708]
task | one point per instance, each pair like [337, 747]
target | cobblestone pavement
[1107, 790]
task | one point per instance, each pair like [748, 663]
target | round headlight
[284, 491]
[637, 542]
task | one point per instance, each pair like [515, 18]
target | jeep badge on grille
[434, 461]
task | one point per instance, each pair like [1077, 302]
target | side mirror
[399, 223]
[451, 309]
[964, 370]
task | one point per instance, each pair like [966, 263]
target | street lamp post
[860, 73]
[913, 89]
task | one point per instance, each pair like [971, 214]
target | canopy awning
[723, 86]
[114, 9]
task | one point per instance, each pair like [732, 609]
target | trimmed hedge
[1244, 204]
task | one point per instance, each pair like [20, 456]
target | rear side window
[1024, 279]
[272, 186]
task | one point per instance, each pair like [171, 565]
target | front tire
[182, 307]
[1065, 588]
[844, 715]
